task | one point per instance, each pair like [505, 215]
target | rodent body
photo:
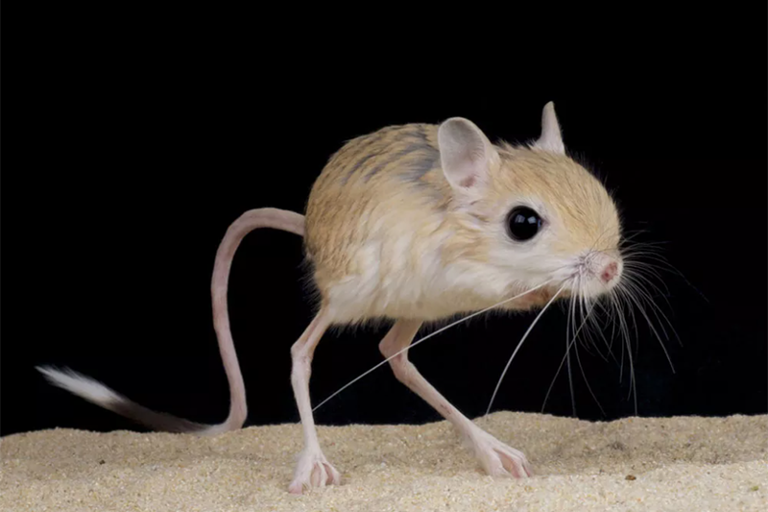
[388, 237]
[417, 223]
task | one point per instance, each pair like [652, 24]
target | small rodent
[418, 223]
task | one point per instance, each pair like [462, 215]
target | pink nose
[609, 272]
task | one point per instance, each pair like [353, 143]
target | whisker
[645, 271]
[648, 248]
[410, 346]
[568, 353]
[623, 328]
[588, 305]
[642, 311]
[572, 311]
[490, 404]
[623, 293]
[580, 298]
[614, 312]
[634, 234]
[594, 321]
[655, 309]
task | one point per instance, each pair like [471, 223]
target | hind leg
[495, 457]
[313, 469]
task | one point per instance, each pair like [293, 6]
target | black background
[131, 140]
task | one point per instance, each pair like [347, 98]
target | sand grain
[684, 463]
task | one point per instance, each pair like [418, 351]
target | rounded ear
[465, 153]
[551, 138]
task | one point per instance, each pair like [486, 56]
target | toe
[527, 468]
[494, 467]
[318, 476]
[295, 487]
[514, 464]
[333, 477]
[511, 467]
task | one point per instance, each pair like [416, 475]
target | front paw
[313, 470]
[498, 459]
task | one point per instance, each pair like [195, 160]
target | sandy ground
[687, 463]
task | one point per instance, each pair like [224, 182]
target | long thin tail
[96, 392]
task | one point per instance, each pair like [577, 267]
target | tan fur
[344, 211]
[366, 201]
[582, 203]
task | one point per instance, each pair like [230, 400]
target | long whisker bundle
[521, 344]
[425, 338]
[637, 291]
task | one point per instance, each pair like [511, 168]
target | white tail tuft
[81, 385]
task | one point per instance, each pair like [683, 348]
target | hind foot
[313, 470]
[498, 459]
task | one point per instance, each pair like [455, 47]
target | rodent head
[524, 216]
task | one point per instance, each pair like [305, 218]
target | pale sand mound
[692, 464]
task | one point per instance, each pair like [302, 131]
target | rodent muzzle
[598, 272]
[610, 272]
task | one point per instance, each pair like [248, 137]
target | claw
[312, 471]
[498, 459]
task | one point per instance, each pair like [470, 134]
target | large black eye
[523, 223]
